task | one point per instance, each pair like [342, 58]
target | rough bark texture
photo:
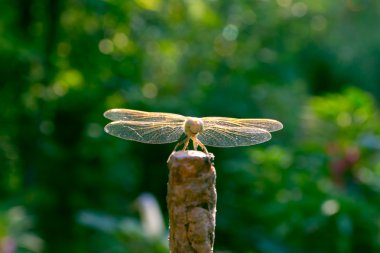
[191, 202]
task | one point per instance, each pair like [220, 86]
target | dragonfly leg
[202, 146]
[187, 140]
[195, 143]
[179, 144]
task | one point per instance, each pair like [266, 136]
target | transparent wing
[146, 132]
[221, 136]
[267, 124]
[134, 115]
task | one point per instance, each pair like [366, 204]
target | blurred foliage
[15, 234]
[320, 194]
[127, 234]
[313, 65]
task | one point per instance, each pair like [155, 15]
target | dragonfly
[160, 128]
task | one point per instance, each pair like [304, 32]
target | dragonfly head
[193, 126]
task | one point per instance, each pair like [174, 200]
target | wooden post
[191, 202]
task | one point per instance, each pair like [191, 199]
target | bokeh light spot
[366, 176]
[318, 23]
[65, 80]
[106, 46]
[120, 40]
[197, 9]
[58, 89]
[344, 119]
[230, 32]
[284, 3]
[299, 9]
[330, 207]
[115, 100]
[267, 55]
[73, 78]
[150, 90]
[152, 5]
[91, 25]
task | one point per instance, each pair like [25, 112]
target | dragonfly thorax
[193, 126]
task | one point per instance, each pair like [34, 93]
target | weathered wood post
[191, 202]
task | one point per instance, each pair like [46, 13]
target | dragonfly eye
[193, 126]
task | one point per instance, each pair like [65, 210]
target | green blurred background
[66, 186]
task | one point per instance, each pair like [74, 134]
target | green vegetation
[66, 186]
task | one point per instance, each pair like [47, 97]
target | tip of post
[189, 153]
[180, 155]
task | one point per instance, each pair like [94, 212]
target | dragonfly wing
[135, 115]
[146, 132]
[267, 124]
[221, 136]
